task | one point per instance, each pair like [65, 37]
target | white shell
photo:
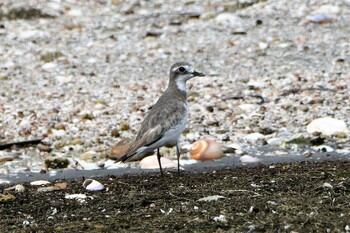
[151, 162]
[220, 218]
[327, 126]
[249, 159]
[75, 196]
[327, 185]
[47, 189]
[39, 182]
[253, 137]
[211, 198]
[2, 181]
[80, 197]
[93, 185]
[19, 188]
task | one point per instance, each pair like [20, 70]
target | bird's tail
[126, 157]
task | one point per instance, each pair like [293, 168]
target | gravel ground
[82, 74]
[298, 197]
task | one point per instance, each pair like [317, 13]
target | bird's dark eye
[182, 69]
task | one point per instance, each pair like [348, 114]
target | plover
[166, 120]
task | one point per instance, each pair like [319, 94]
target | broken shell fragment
[206, 149]
[79, 197]
[19, 188]
[6, 198]
[39, 182]
[93, 185]
[75, 196]
[61, 185]
[47, 189]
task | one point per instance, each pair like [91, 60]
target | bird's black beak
[195, 73]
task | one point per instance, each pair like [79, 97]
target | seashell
[327, 126]
[79, 197]
[39, 182]
[47, 189]
[206, 149]
[246, 159]
[55, 187]
[327, 185]
[220, 218]
[93, 185]
[19, 188]
[75, 196]
[319, 18]
[211, 198]
[2, 181]
[6, 198]
[61, 185]
[151, 162]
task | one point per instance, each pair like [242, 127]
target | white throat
[181, 84]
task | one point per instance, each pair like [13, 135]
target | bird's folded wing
[157, 122]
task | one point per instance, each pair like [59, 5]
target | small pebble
[57, 163]
[220, 218]
[324, 148]
[44, 148]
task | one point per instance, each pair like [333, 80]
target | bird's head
[181, 72]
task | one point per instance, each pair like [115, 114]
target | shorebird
[166, 120]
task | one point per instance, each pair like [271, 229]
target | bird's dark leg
[178, 157]
[160, 164]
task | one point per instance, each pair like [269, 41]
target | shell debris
[93, 185]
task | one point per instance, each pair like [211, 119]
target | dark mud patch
[273, 198]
